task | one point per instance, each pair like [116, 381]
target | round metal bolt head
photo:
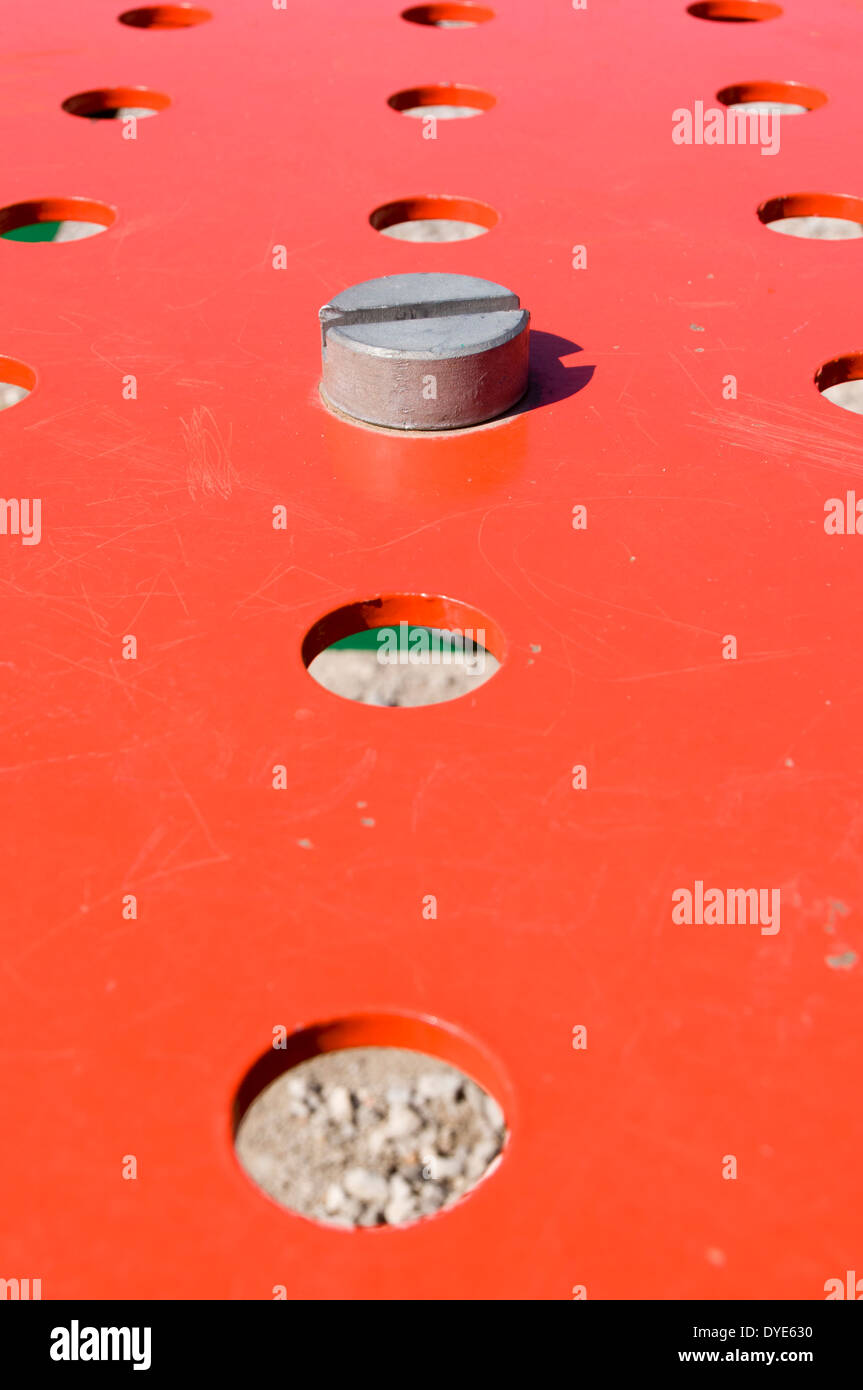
[425, 351]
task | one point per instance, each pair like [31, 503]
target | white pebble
[339, 1104]
[439, 1169]
[347, 1216]
[377, 1140]
[366, 1186]
[432, 1197]
[438, 1085]
[399, 1188]
[370, 1215]
[494, 1114]
[334, 1198]
[480, 1157]
[396, 1213]
[402, 1120]
[447, 1140]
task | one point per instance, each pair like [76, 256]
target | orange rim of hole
[56, 210]
[419, 610]
[734, 11]
[452, 14]
[15, 373]
[433, 206]
[416, 1033]
[839, 370]
[843, 205]
[795, 93]
[165, 16]
[444, 94]
[113, 99]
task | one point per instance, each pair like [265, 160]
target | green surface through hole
[368, 641]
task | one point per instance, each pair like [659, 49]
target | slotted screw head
[426, 351]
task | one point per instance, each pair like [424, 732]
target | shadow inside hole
[840, 382]
[734, 11]
[449, 16]
[116, 103]
[165, 17]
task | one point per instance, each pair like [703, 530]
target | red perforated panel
[705, 519]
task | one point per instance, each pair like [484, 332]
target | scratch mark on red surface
[195, 810]
[209, 470]
[756, 659]
[353, 777]
[789, 433]
[687, 372]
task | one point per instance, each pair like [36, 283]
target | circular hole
[788, 98]
[819, 216]
[116, 103]
[55, 219]
[448, 16]
[734, 11]
[448, 101]
[165, 17]
[17, 380]
[403, 650]
[377, 1120]
[841, 381]
[434, 218]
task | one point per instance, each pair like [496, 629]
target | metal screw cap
[425, 351]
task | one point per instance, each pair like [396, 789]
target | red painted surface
[153, 777]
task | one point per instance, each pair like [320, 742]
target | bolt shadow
[551, 380]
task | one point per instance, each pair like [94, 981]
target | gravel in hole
[370, 1136]
[359, 675]
[441, 113]
[433, 229]
[818, 228]
[847, 394]
[10, 395]
[782, 108]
